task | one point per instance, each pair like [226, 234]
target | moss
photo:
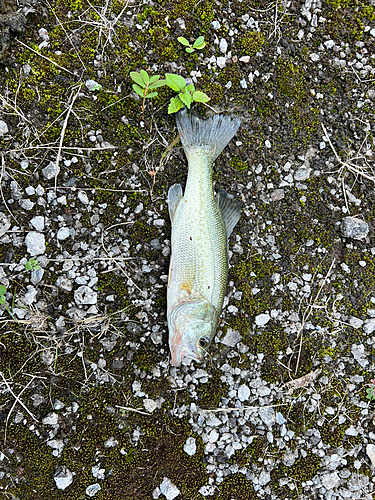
[252, 42]
[291, 80]
[236, 486]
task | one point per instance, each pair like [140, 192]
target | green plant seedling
[197, 45]
[32, 265]
[3, 291]
[144, 84]
[370, 391]
[186, 93]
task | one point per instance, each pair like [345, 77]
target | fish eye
[204, 342]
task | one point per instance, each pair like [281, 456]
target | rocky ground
[283, 406]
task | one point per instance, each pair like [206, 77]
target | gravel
[281, 405]
[35, 243]
[63, 477]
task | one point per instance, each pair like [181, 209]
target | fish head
[191, 330]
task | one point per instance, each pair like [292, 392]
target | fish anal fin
[230, 209]
[174, 198]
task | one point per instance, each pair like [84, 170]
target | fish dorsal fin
[174, 198]
[230, 209]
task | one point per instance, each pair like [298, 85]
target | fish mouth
[183, 354]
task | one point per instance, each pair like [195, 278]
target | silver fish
[201, 225]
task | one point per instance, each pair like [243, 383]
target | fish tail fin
[211, 134]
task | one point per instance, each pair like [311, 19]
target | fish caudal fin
[212, 134]
[230, 209]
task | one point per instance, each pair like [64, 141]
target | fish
[201, 225]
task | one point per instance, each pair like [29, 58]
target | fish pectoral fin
[174, 198]
[230, 210]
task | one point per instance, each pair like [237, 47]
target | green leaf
[2, 300]
[144, 76]
[200, 96]
[3, 290]
[28, 266]
[136, 77]
[370, 393]
[155, 85]
[175, 105]
[183, 41]
[152, 94]
[186, 98]
[138, 89]
[199, 43]
[175, 82]
[153, 78]
[190, 88]
[189, 50]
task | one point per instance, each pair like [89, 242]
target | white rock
[289, 458]
[92, 85]
[331, 480]
[150, 405]
[30, 295]
[4, 224]
[369, 325]
[64, 283]
[351, 431]
[355, 322]
[231, 338]
[243, 392]
[213, 436]
[359, 354]
[97, 472]
[38, 222]
[85, 295]
[190, 446]
[264, 478]
[26, 204]
[111, 442]
[83, 198]
[245, 59]
[51, 171]
[223, 46]
[35, 243]
[50, 419]
[63, 233]
[302, 174]
[280, 419]
[370, 450]
[220, 61]
[168, 489]
[3, 128]
[267, 416]
[352, 227]
[93, 489]
[63, 478]
[57, 445]
[329, 44]
[262, 319]
[314, 57]
[58, 405]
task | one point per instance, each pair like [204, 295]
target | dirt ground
[283, 405]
